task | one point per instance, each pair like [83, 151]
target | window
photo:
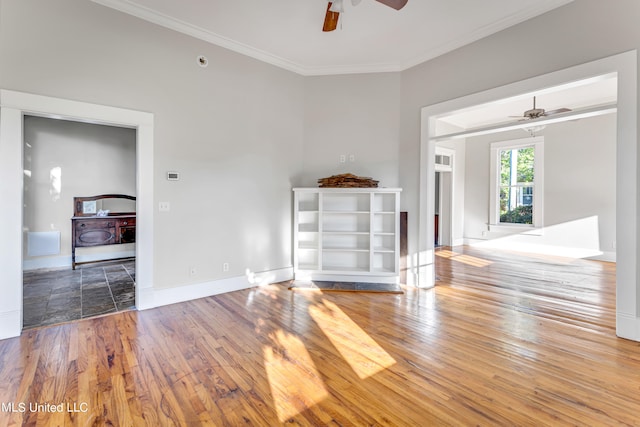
[516, 175]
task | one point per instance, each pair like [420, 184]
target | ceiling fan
[335, 7]
[536, 113]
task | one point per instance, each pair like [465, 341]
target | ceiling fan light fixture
[532, 130]
[336, 6]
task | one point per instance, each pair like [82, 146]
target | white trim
[158, 297]
[197, 32]
[627, 326]
[536, 9]
[13, 106]
[527, 229]
[11, 194]
[448, 152]
[447, 192]
[627, 274]
[538, 184]
[364, 278]
[178, 25]
[8, 324]
[583, 113]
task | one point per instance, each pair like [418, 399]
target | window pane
[516, 166]
[516, 204]
[505, 167]
[525, 165]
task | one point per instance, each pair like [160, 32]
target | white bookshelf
[347, 234]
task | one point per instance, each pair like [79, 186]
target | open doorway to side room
[570, 200]
[65, 159]
[444, 203]
[13, 107]
[620, 67]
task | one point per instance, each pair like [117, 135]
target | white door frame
[627, 272]
[446, 215]
[13, 107]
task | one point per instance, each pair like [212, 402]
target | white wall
[233, 130]
[503, 58]
[579, 188]
[353, 115]
[92, 159]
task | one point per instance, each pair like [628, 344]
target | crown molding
[516, 18]
[147, 14]
[183, 27]
[130, 8]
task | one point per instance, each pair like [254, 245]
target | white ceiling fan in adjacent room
[336, 7]
[536, 113]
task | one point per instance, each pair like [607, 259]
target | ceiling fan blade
[558, 111]
[355, 2]
[396, 4]
[330, 19]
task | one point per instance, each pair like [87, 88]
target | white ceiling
[370, 37]
[579, 95]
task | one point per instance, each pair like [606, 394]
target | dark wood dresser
[93, 225]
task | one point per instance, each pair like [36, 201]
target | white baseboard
[628, 326]
[363, 278]
[10, 324]
[65, 261]
[150, 298]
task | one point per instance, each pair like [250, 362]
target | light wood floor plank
[503, 339]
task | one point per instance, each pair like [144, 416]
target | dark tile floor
[61, 295]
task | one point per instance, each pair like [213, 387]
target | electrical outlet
[164, 206]
[225, 266]
[352, 158]
[192, 271]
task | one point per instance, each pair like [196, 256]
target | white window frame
[538, 186]
[444, 152]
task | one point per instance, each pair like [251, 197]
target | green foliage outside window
[516, 185]
[520, 215]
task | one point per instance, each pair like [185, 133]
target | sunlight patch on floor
[357, 348]
[295, 382]
[465, 259]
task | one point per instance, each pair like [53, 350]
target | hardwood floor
[504, 339]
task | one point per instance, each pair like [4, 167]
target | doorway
[444, 205]
[624, 66]
[14, 106]
[65, 159]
